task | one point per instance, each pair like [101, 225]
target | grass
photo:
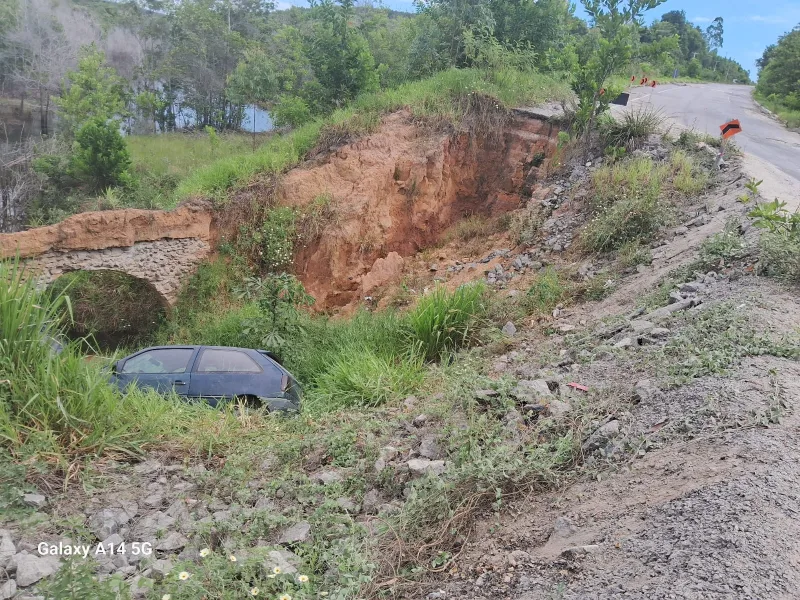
[442, 322]
[721, 249]
[57, 405]
[779, 255]
[687, 177]
[546, 291]
[630, 202]
[789, 116]
[181, 154]
[712, 340]
[627, 205]
[631, 127]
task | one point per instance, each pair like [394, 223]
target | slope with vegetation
[779, 77]
[302, 65]
[428, 411]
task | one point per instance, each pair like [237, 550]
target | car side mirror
[115, 367]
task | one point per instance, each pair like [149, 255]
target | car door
[163, 369]
[225, 373]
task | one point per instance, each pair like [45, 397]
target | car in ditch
[213, 374]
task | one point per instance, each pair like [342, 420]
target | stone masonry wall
[162, 263]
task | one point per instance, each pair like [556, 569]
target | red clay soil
[396, 191]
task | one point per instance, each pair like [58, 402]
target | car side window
[226, 361]
[164, 360]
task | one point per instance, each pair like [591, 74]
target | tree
[447, 20]
[339, 55]
[605, 54]
[202, 51]
[40, 54]
[252, 82]
[780, 77]
[101, 157]
[714, 34]
[93, 91]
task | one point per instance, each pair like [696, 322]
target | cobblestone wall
[163, 263]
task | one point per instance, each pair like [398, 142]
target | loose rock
[297, 533]
[31, 568]
[420, 467]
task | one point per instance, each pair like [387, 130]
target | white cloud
[769, 19]
[702, 19]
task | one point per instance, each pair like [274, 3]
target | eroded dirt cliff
[396, 191]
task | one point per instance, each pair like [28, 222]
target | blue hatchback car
[211, 373]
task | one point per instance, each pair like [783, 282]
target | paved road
[705, 107]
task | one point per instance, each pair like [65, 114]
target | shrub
[101, 157]
[779, 255]
[270, 244]
[290, 111]
[442, 322]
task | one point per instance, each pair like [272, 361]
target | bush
[101, 157]
[779, 255]
[290, 111]
[442, 322]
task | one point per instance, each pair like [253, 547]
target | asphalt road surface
[704, 107]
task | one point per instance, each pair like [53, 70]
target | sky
[750, 25]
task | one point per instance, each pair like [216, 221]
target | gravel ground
[708, 509]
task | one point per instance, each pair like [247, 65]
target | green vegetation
[779, 78]
[629, 203]
[713, 339]
[58, 405]
[546, 291]
[328, 72]
[111, 308]
[442, 322]
[779, 245]
[632, 128]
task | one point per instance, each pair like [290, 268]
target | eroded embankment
[396, 191]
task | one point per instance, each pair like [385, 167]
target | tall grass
[626, 204]
[58, 408]
[442, 322]
[633, 126]
[364, 360]
[53, 402]
[180, 154]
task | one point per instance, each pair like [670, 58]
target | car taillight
[284, 382]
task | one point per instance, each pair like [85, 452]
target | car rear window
[163, 360]
[226, 361]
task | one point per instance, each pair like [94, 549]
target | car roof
[265, 353]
